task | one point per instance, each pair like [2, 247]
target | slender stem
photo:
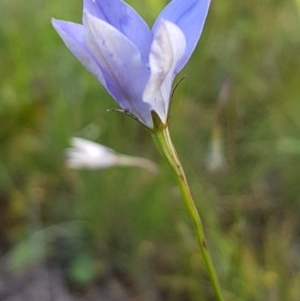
[164, 144]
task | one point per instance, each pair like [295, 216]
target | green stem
[164, 144]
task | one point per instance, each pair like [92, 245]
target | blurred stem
[298, 5]
[124, 160]
[164, 144]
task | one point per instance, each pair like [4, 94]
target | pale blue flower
[136, 65]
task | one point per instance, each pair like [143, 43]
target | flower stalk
[165, 146]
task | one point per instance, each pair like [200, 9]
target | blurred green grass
[242, 83]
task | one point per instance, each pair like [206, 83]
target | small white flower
[85, 154]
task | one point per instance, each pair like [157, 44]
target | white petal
[88, 154]
[167, 48]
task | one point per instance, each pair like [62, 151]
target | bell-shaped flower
[136, 65]
[85, 154]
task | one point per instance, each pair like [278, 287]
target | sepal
[158, 125]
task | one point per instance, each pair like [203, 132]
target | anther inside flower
[136, 65]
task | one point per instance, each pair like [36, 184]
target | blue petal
[190, 16]
[72, 35]
[123, 17]
[167, 48]
[120, 60]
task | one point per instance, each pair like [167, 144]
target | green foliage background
[240, 101]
